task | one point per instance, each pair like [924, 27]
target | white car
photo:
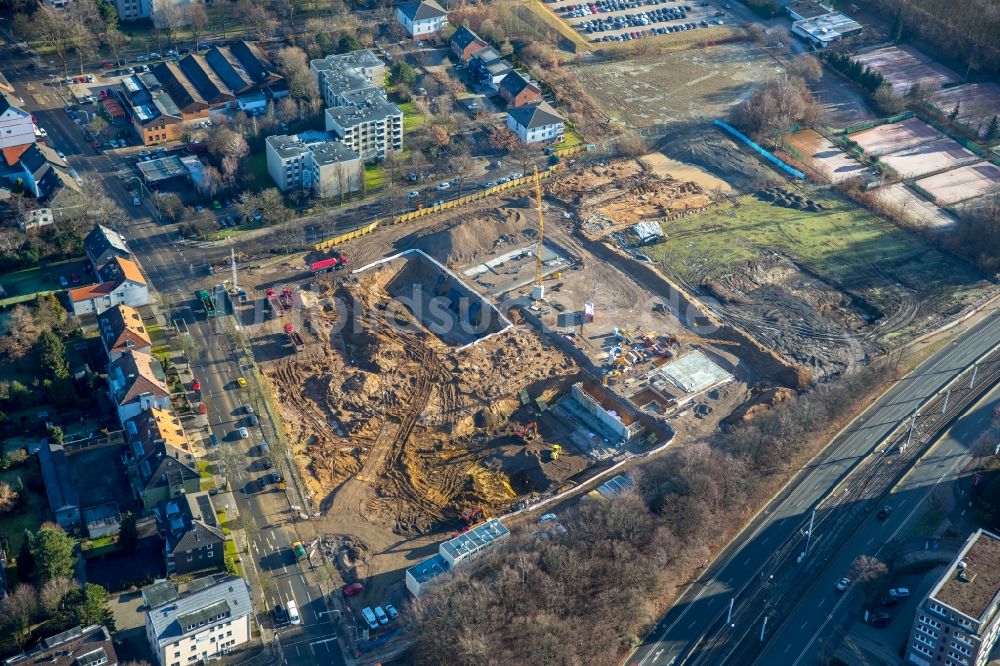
[842, 584]
[413, 195]
[391, 610]
[443, 186]
[244, 433]
[380, 614]
[136, 201]
[369, 617]
[547, 517]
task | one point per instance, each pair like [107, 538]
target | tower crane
[538, 292]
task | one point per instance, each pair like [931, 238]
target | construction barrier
[343, 238]
[795, 173]
[570, 150]
[453, 203]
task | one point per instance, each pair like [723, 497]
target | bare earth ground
[697, 84]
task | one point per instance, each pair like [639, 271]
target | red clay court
[886, 139]
[904, 66]
[961, 184]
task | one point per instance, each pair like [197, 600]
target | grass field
[845, 245]
[22, 286]
[412, 118]
[374, 177]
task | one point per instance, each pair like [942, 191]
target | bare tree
[18, 609]
[53, 592]
[115, 40]
[8, 497]
[870, 573]
[806, 67]
[197, 21]
[21, 330]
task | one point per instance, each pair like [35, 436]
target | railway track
[774, 589]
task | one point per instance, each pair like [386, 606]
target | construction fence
[860, 127]
[447, 205]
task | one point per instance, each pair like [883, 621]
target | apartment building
[347, 72]
[199, 621]
[957, 623]
[535, 123]
[316, 161]
[368, 124]
[421, 19]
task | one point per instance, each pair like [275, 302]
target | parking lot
[625, 20]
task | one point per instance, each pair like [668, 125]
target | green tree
[128, 534]
[53, 551]
[25, 559]
[51, 355]
[348, 43]
[402, 73]
[85, 606]
[991, 131]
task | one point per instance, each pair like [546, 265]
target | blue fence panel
[795, 173]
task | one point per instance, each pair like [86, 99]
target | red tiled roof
[91, 291]
[12, 155]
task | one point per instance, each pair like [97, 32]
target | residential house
[535, 123]
[39, 176]
[157, 457]
[464, 43]
[59, 488]
[519, 91]
[367, 123]
[102, 245]
[79, 646]
[488, 67]
[199, 621]
[137, 384]
[121, 283]
[315, 161]
[16, 125]
[121, 330]
[192, 537]
[421, 19]
[35, 219]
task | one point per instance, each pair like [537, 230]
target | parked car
[443, 186]
[899, 593]
[884, 512]
[63, 282]
[380, 614]
[842, 584]
[413, 195]
[244, 433]
[391, 610]
[881, 619]
[252, 419]
[280, 616]
[353, 589]
[74, 278]
[369, 617]
[888, 601]
[136, 201]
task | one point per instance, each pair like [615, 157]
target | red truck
[334, 263]
[274, 302]
[287, 298]
[294, 337]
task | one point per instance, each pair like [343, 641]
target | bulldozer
[527, 432]
[472, 514]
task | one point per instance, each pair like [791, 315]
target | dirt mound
[464, 240]
[707, 147]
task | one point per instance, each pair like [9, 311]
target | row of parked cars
[599, 6]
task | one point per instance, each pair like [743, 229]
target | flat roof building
[453, 552]
[824, 30]
[316, 161]
[801, 10]
[957, 623]
[367, 123]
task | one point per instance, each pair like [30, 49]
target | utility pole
[909, 435]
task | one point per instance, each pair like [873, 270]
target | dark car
[280, 616]
[262, 483]
[267, 463]
[888, 601]
[276, 477]
[884, 512]
[881, 619]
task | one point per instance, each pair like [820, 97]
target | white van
[370, 618]
[293, 612]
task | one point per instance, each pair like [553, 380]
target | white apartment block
[421, 19]
[198, 622]
[314, 161]
[957, 623]
[367, 123]
[347, 72]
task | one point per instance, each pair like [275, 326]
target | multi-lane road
[820, 607]
[701, 608]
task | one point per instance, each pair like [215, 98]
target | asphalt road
[800, 637]
[270, 565]
[707, 600]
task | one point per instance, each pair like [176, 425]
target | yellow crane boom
[541, 227]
